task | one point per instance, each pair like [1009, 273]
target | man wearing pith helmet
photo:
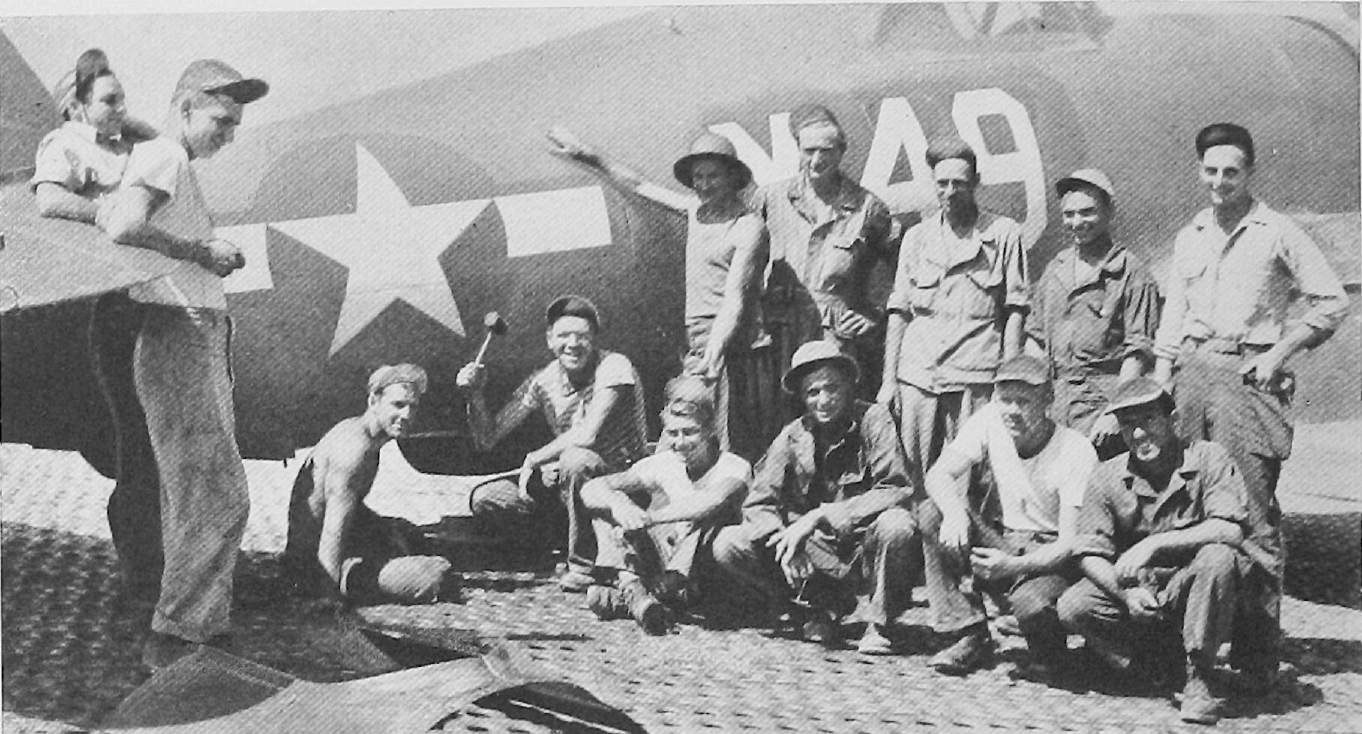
[1094, 311]
[1238, 270]
[827, 515]
[1161, 544]
[827, 233]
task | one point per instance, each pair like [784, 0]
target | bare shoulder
[344, 445]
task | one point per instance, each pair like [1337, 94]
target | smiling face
[1022, 407]
[713, 180]
[394, 409]
[688, 437]
[572, 339]
[827, 393]
[105, 110]
[1226, 173]
[209, 124]
[1087, 216]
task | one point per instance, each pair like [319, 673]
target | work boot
[675, 591]
[1198, 705]
[821, 627]
[651, 614]
[606, 602]
[968, 654]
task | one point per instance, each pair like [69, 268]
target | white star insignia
[390, 248]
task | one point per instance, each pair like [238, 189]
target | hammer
[496, 326]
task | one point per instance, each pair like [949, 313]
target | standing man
[958, 308]
[1094, 311]
[653, 520]
[827, 515]
[336, 544]
[1040, 471]
[181, 365]
[1159, 538]
[826, 233]
[592, 400]
[1237, 268]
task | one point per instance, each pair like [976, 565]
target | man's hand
[472, 376]
[798, 568]
[1103, 429]
[1263, 371]
[523, 481]
[1130, 563]
[566, 144]
[992, 564]
[955, 532]
[629, 516]
[789, 542]
[1141, 603]
[221, 257]
[711, 365]
[854, 323]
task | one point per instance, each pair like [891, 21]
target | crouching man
[1040, 471]
[652, 520]
[1159, 538]
[828, 512]
[336, 545]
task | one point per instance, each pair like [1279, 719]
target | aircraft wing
[48, 261]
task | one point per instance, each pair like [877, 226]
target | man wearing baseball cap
[181, 368]
[1039, 472]
[1159, 542]
[1094, 311]
[1240, 273]
[826, 235]
[827, 515]
[592, 401]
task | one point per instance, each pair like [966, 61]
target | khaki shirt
[1240, 287]
[956, 301]
[1093, 324]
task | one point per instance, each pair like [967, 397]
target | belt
[1235, 347]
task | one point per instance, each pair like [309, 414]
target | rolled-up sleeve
[1015, 268]
[1326, 303]
[763, 507]
[1222, 492]
[1097, 515]
[1168, 338]
[900, 298]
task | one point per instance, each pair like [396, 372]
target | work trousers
[134, 509]
[1199, 598]
[1255, 428]
[184, 385]
[747, 395]
[498, 506]
[1034, 599]
[1081, 397]
[876, 561]
[928, 421]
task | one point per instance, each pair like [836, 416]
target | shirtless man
[336, 545]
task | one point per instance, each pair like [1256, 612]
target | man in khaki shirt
[1237, 268]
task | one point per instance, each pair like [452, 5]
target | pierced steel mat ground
[70, 653]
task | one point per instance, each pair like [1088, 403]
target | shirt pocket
[839, 259]
[924, 285]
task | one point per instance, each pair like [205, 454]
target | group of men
[1025, 436]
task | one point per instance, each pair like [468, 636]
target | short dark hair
[1225, 133]
[944, 149]
[689, 396]
[572, 306]
[91, 65]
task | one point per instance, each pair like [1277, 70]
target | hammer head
[494, 323]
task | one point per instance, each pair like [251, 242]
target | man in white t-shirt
[180, 368]
[652, 520]
[1039, 470]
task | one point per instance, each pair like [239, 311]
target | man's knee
[734, 547]
[418, 579]
[1037, 597]
[894, 528]
[1076, 605]
[495, 497]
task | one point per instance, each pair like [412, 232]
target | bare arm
[583, 434]
[126, 217]
[58, 202]
[895, 324]
[1014, 333]
[1147, 551]
[749, 256]
[337, 478]
[567, 146]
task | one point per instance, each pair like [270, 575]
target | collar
[981, 233]
[1189, 465]
[83, 130]
[1258, 213]
[1113, 266]
[848, 198]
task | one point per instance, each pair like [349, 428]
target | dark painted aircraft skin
[382, 229]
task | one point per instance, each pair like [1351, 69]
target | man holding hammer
[592, 400]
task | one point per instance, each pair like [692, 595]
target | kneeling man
[652, 520]
[1159, 537]
[1040, 471]
[336, 545]
[828, 507]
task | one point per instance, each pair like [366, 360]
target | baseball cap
[1086, 177]
[211, 75]
[572, 306]
[1025, 368]
[813, 354]
[1136, 392]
